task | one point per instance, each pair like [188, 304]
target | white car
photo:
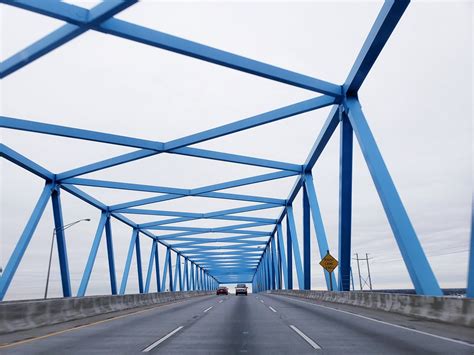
[241, 289]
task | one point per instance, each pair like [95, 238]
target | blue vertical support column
[180, 275]
[186, 274]
[150, 266]
[193, 287]
[470, 270]
[276, 269]
[271, 279]
[318, 226]
[24, 240]
[139, 263]
[282, 259]
[200, 279]
[296, 248]
[176, 273]
[157, 267]
[170, 270]
[165, 269]
[412, 252]
[61, 241]
[92, 255]
[198, 286]
[110, 256]
[306, 242]
[345, 202]
[289, 256]
[128, 262]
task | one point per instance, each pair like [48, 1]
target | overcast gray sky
[417, 99]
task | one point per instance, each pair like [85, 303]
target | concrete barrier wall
[452, 310]
[22, 315]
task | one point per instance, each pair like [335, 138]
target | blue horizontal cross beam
[130, 31]
[84, 20]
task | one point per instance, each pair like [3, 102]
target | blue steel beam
[197, 215]
[216, 195]
[165, 269]
[325, 134]
[306, 241]
[138, 256]
[345, 204]
[275, 264]
[255, 121]
[387, 19]
[92, 255]
[110, 256]
[178, 45]
[224, 218]
[170, 272]
[150, 267]
[289, 256]
[321, 238]
[149, 148]
[24, 240]
[234, 227]
[62, 35]
[412, 252]
[61, 241]
[281, 249]
[62, 11]
[128, 262]
[175, 44]
[157, 267]
[184, 192]
[296, 248]
[20, 160]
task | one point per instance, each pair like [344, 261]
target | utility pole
[358, 270]
[363, 280]
[368, 270]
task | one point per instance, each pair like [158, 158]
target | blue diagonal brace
[318, 225]
[165, 270]
[387, 19]
[412, 252]
[60, 36]
[281, 250]
[128, 262]
[24, 240]
[150, 266]
[296, 247]
[92, 255]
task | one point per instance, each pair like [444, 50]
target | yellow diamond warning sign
[329, 263]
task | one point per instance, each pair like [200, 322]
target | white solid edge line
[391, 324]
[207, 309]
[305, 337]
[158, 342]
[273, 309]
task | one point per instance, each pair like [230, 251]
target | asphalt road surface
[254, 324]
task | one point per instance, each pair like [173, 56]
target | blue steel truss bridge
[244, 255]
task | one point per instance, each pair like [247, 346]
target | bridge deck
[257, 324]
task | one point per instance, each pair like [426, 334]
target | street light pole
[51, 250]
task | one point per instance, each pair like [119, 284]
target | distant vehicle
[222, 291]
[241, 289]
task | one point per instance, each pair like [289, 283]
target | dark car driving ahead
[222, 290]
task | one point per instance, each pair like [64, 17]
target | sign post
[329, 263]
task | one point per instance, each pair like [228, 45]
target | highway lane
[256, 324]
